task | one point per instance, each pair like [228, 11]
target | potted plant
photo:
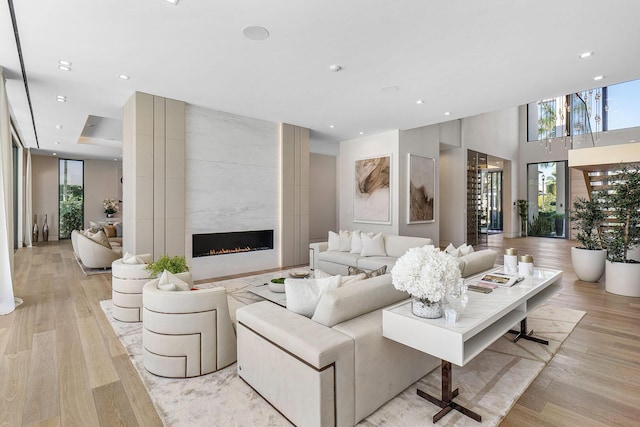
[623, 199]
[176, 265]
[523, 211]
[588, 258]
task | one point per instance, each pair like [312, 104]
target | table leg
[447, 403]
[522, 333]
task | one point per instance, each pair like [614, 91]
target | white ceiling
[466, 57]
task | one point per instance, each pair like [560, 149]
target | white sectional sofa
[335, 368]
[338, 262]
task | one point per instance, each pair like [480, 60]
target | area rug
[490, 384]
[91, 271]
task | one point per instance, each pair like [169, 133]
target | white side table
[127, 281]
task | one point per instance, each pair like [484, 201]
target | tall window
[590, 111]
[70, 196]
[547, 190]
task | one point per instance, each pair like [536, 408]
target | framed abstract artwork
[422, 189]
[372, 190]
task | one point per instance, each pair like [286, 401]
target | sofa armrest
[314, 252]
[292, 331]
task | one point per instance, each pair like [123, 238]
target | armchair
[186, 333]
[127, 281]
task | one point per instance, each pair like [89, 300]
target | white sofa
[91, 253]
[338, 262]
[336, 368]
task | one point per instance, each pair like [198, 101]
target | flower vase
[34, 235]
[45, 230]
[426, 309]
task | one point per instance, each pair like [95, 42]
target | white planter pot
[623, 278]
[588, 264]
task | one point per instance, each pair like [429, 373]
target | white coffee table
[486, 318]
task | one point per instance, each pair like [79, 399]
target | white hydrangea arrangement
[425, 272]
[110, 206]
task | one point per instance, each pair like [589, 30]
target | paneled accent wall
[295, 194]
[154, 175]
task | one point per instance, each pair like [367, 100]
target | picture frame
[372, 190]
[421, 189]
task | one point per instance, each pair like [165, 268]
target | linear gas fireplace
[230, 243]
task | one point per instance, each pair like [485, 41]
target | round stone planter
[623, 278]
[588, 264]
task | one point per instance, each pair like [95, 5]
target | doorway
[70, 196]
[547, 187]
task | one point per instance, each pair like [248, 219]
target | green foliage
[542, 225]
[523, 211]
[176, 264]
[71, 214]
[624, 201]
[547, 121]
[586, 217]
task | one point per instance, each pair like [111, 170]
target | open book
[497, 279]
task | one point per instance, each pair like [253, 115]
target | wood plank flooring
[61, 364]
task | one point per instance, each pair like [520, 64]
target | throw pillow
[465, 249]
[373, 245]
[131, 259]
[109, 230]
[356, 242]
[344, 241]
[303, 295]
[101, 238]
[334, 241]
[369, 274]
[170, 282]
[348, 280]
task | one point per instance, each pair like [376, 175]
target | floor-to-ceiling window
[70, 196]
[547, 198]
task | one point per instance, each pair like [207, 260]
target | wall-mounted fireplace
[209, 244]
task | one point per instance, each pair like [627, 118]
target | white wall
[101, 181]
[453, 197]
[379, 145]
[323, 212]
[423, 141]
[232, 184]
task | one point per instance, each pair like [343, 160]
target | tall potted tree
[588, 259]
[623, 198]
[523, 211]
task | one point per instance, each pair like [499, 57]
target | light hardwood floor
[61, 364]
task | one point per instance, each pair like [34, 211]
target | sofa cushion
[170, 282]
[375, 262]
[476, 262]
[357, 299]
[344, 258]
[369, 274]
[396, 246]
[333, 241]
[356, 242]
[373, 245]
[100, 238]
[303, 294]
[109, 230]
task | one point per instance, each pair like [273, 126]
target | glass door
[70, 196]
[547, 198]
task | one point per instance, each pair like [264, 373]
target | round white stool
[127, 281]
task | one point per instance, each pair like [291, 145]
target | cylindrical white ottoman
[127, 281]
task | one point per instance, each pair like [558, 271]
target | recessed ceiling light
[55, 154]
[64, 67]
[390, 89]
[56, 143]
[447, 113]
[174, 2]
[115, 160]
[419, 101]
[335, 68]
[124, 77]
[596, 78]
[65, 63]
[361, 133]
[255, 32]
[61, 98]
[58, 127]
[586, 54]
[332, 126]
